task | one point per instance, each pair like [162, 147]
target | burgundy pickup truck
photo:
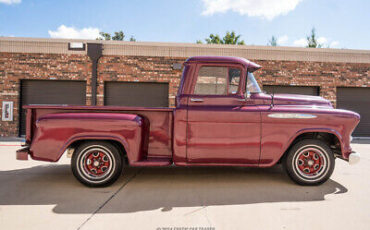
[221, 118]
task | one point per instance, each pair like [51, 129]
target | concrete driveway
[37, 195]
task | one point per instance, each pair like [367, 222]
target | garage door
[304, 90]
[136, 94]
[358, 100]
[50, 92]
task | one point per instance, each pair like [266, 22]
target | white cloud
[326, 42]
[71, 32]
[9, 2]
[334, 44]
[323, 41]
[282, 40]
[267, 9]
[300, 42]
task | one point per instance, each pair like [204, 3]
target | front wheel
[309, 162]
[96, 163]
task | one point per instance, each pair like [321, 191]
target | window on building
[214, 80]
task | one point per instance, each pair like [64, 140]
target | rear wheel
[96, 163]
[309, 162]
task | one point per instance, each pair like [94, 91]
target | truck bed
[160, 122]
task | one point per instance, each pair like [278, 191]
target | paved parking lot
[38, 195]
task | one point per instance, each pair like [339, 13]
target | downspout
[94, 51]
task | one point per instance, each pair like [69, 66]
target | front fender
[313, 130]
[274, 145]
[55, 132]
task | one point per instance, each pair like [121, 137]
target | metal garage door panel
[304, 90]
[358, 100]
[51, 92]
[136, 94]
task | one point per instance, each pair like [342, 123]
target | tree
[214, 39]
[118, 36]
[229, 38]
[312, 40]
[273, 41]
[104, 36]
[132, 39]
[232, 38]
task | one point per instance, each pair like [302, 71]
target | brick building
[56, 71]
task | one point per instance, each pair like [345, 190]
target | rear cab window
[217, 80]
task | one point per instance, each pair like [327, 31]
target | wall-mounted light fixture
[76, 46]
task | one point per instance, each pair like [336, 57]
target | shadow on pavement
[156, 188]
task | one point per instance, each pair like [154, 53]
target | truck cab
[223, 121]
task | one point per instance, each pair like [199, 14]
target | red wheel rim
[310, 162]
[96, 163]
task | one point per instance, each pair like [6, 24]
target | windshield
[252, 85]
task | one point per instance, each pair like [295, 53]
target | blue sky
[339, 23]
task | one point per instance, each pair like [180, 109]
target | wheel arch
[118, 142]
[329, 136]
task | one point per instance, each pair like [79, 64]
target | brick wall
[17, 66]
[139, 69]
[326, 75]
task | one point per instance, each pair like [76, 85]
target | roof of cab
[251, 66]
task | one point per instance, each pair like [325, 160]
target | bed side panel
[160, 123]
[55, 132]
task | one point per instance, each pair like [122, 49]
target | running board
[153, 162]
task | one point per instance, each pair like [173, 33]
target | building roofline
[177, 44]
[170, 49]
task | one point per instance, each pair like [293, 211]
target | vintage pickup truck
[221, 118]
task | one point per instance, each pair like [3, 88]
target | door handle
[196, 99]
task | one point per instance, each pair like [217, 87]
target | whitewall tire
[309, 162]
[96, 163]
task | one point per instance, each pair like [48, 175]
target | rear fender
[54, 133]
[95, 137]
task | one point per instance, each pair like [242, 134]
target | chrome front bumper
[354, 158]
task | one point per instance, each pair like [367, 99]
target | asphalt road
[38, 195]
